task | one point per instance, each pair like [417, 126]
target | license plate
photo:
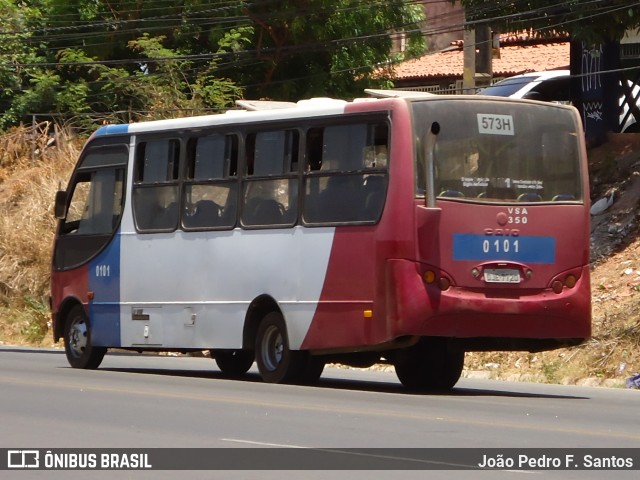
[501, 275]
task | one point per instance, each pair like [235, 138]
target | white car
[552, 86]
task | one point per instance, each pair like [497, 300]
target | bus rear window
[500, 152]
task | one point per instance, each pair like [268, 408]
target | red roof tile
[513, 60]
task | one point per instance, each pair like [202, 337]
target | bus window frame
[98, 241]
[420, 161]
[246, 179]
[368, 119]
[298, 177]
[169, 136]
[188, 182]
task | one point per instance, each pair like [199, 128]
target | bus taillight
[569, 281]
[557, 286]
[429, 277]
[444, 283]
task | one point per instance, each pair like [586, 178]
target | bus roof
[256, 111]
[253, 111]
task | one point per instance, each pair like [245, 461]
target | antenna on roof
[254, 105]
[396, 93]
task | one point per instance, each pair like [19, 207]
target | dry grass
[34, 162]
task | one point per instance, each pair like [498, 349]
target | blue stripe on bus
[524, 249]
[104, 282]
[112, 130]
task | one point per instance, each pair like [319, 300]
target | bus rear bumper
[415, 308]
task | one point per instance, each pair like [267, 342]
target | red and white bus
[399, 230]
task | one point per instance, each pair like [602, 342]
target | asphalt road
[145, 401]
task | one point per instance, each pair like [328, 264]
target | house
[441, 72]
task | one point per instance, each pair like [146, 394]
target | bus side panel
[356, 277]
[97, 286]
[104, 283]
[344, 314]
[314, 247]
[66, 285]
[196, 287]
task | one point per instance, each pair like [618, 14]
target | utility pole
[469, 60]
[484, 64]
[477, 58]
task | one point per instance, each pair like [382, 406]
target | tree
[93, 57]
[72, 63]
[592, 21]
[326, 47]
[279, 49]
[17, 55]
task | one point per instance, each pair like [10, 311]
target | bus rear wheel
[77, 341]
[276, 362]
[233, 362]
[429, 365]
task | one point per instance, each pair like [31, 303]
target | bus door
[149, 251]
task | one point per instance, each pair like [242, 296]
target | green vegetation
[82, 62]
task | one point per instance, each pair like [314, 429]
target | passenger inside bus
[338, 188]
[205, 214]
[156, 208]
[270, 201]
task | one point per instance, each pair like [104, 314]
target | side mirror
[60, 207]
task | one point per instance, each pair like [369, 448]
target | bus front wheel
[276, 362]
[233, 362]
[77, 341]
[429, 365]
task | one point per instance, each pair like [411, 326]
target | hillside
[35, 161]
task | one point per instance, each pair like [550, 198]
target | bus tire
[77, 341]
[276, 363]
[233, 362]
[429, 365]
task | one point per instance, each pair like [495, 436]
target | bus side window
[350, 184]
[270, 187]
[155, 192]
[95, 206]
[96, 203]
[211, 188]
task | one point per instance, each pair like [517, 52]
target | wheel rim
[78, 338]
[272, 348]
